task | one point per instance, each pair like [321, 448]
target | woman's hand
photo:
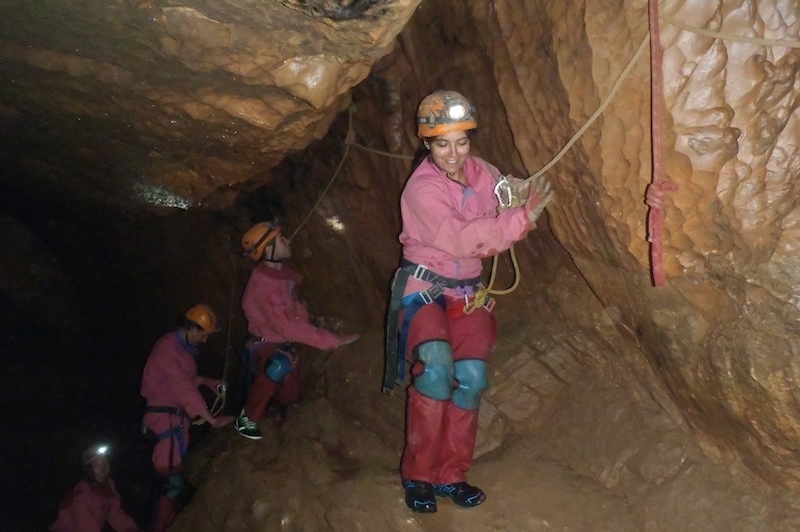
[220, 421]
[656, 194]
[540, 193]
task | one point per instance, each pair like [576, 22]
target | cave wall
[721, 333]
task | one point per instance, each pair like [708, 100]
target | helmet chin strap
[272, 255]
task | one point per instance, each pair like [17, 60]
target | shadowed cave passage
[142, 138]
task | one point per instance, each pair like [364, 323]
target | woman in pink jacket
[452, 218]
[94, 501]
[276, 320]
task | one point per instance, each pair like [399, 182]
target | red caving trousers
[264, 388]
[440, 437]
[165, 514]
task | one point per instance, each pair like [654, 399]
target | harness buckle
[419, 272]
[489, 304]
[429, 296]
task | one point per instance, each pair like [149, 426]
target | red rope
[655, 217]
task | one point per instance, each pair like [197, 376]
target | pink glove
[539, 195]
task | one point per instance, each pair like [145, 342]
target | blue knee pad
[436, 381]
[279, 367]
[178, 490]
[470, 382]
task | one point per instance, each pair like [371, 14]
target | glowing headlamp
[456, 111]
[94, 452]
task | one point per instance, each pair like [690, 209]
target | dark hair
[419, 156]
[470, 133]
[190, 324]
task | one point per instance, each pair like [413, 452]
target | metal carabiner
[503, 191]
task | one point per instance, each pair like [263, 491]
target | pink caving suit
[449, 228]
[170, 380]
[89, 506]
[276, 316]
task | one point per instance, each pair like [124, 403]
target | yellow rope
[730, 36]
[328, 186]
[350, 140]
[598, 112]
[219, 401]
[386, 153]
[482, 294]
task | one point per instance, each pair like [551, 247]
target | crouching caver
[276, 320]
[170, 386]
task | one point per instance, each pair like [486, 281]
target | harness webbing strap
[175, 410]
[411, 305]
[174, 432]
[390, 372]
[418, 271]
[394, 367]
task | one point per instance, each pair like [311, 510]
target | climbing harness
[394, 368]
[174, 432]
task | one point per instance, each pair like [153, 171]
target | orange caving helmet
[203, 316]
[441, 112]
[256, 239]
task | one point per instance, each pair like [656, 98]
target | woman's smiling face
[449, 151]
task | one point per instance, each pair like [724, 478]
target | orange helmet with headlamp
[442, 112]
[256, 239]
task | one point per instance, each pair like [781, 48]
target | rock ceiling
[171, 100]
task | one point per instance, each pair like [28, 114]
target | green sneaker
[246, 427]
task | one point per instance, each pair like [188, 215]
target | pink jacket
[87, 508]
[274, 312]
[448, 227]
[170, 376]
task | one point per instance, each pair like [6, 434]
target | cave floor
[597, 463]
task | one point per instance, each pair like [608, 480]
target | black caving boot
[463, 494]
[420, 496]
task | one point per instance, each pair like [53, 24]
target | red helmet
[203, 316]
[441, 112]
